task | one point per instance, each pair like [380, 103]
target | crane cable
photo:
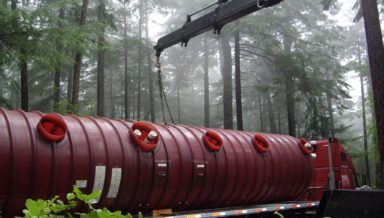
[162, 92]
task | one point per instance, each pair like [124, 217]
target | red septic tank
[140, 166]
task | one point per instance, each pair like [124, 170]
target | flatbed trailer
[262, 209]
[335, 204]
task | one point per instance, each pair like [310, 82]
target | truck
[307, 204]
[171, 170]
[333, 168]
[178, 170]
[343, 170]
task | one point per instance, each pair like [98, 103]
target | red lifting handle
[212, 140]
[52, 127]
[144, 135]
[305, 147]
[260, 143]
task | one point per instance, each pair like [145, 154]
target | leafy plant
[57, 208]
[278, 214]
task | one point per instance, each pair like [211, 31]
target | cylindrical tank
[141, 166]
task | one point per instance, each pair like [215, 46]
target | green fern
[59, 209]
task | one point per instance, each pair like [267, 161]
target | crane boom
[226, 12]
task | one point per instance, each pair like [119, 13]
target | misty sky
[346, 14]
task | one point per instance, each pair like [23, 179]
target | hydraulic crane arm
[226, 12]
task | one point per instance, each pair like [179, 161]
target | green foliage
[43, 34]
[276, 213]
[291, 40]
[62, 106]
[49, 34]
[296, 42]
[57, 208]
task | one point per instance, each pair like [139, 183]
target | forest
[290, 69]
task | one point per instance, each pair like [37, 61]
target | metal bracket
[161, 167]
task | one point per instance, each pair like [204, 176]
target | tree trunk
[127, 107]
[178, 98]
[13, 4]
[77, 67]
[100, 78]
[69, 91]
[376, 57]
[226, 72]
[365, 140]
[23, 71]
[151, 88]
[56, 89]
[365, 137]
[239, 107]
[331, 124]
[261, 114]
[150, 73]
[206, 82]
[126, 72]
[15, 96]
[76, 84]
[24, 80]
[290, 91]
[138, 107]
[112, 83]
[140, 62]
[271, 113]
[290, 98]
[57, 76]
[279, 113]
[101, 62]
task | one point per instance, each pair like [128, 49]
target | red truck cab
[343, 168]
